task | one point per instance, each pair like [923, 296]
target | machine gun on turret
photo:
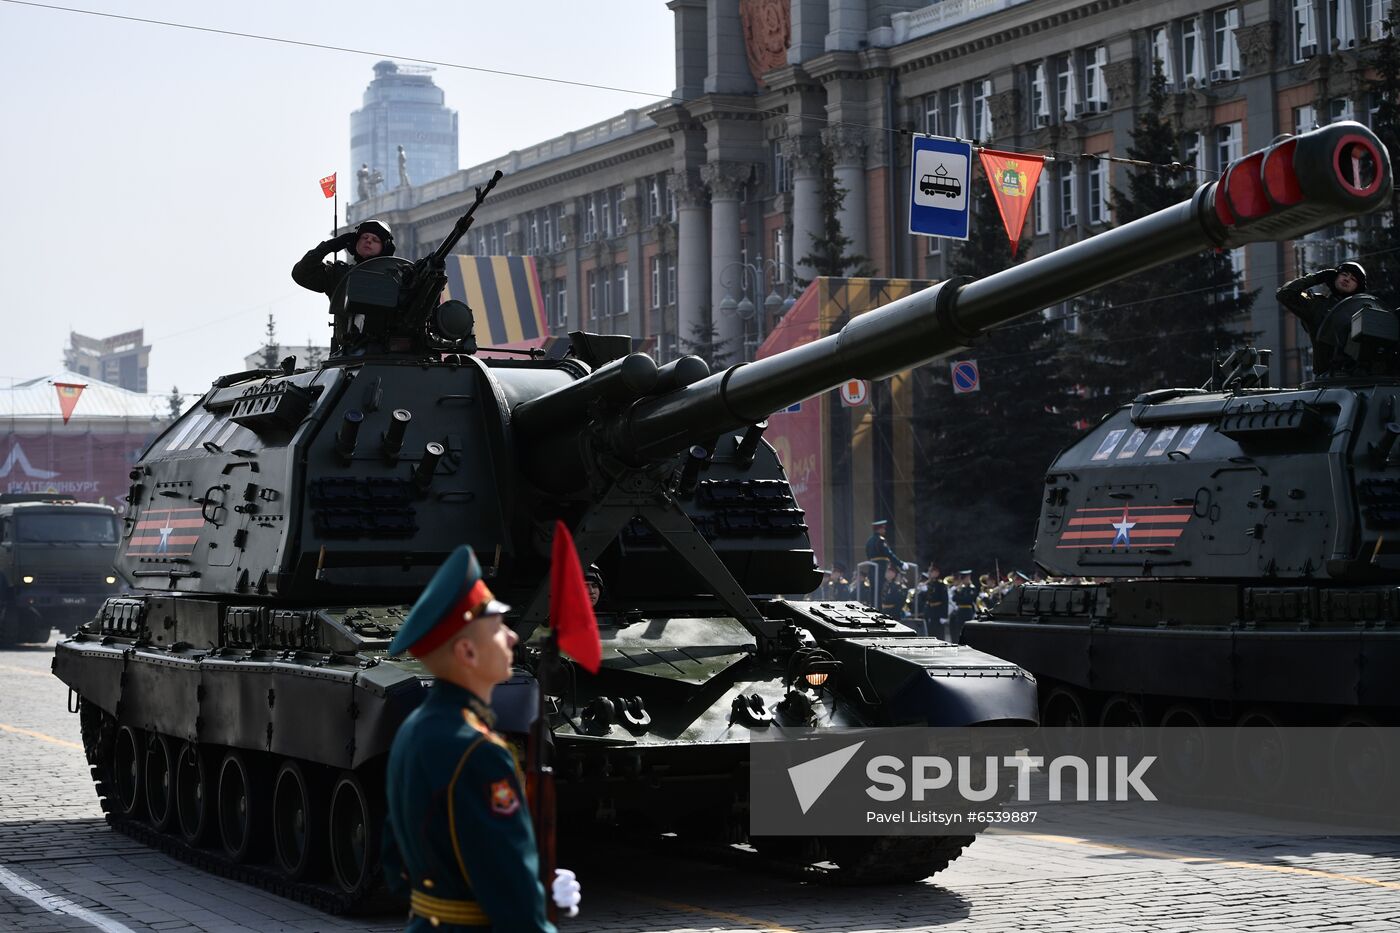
[390, 305]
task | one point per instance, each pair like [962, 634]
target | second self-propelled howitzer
[242, 702]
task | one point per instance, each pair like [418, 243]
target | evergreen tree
[983, 454]
[828, 255]
[705, 342]
[176, 401]
[270, 349]
[1163, 327]
[1380, 241]
[315, 355]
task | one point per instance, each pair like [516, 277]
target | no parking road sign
[938, 199]
[965, 377]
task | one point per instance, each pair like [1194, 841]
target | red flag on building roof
[1013, 178]
[570, 609]
[68, 393]
[328, 185]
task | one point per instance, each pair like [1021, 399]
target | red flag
[570, 609]
[68, 393]
[1013, 178]
[328, 185]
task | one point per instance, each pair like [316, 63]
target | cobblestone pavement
[61, 868]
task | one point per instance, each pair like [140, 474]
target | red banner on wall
[1013, 178]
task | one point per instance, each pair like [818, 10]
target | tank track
[895, 859]
[376, 901]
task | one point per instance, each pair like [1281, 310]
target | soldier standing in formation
[460, 842]
[935, 601]
[877, 549]
[893, 595]
[964, 597]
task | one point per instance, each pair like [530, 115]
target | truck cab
[56, 564]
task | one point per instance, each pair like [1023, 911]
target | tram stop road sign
[942, 176]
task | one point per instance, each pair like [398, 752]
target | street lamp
[748, 278]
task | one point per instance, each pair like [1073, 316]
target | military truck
[56, 564]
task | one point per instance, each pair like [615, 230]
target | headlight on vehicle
[28, 579]
[111, 580]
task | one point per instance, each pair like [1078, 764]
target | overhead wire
[1049, 155]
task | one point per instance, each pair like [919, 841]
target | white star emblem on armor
[165, 538]
[1122, 528]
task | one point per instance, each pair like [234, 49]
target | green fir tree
[176, 401]
[705, 342]
[270, 350]
[829, 254]
[1163, 327]
[982, 455]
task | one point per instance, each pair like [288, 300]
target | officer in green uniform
[460, 842]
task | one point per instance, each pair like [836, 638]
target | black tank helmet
[379, 229]
[1357, 273]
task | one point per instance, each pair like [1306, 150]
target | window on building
[982, 109]
[1229, 144]
[532, 233]
[779, 254]
[1304, 30]
[781, 180]
[1069, 208]
[1340, 108]
[618, 201]
[1095, 78]
[1238, 267]
[591, 281]
[1341, 17]
[1226, 48]
[621, 304]
[605, 294]
[480, 249]
[1066, 90]
[561, 304]
[1040, 99]
[1098, 189]
[654, 199]
[933, 123]
[670, 204]
[605, 214]
[590, 218]
[671, 290]
[1374, 15]
[1304, 119]
[956, 125]
[1193, 58]
[547, 229]
[1373, 108]
[655, 300]
[1042, 208]
[1162, 53]
[493, 240]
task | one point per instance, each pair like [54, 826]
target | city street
[61, 868]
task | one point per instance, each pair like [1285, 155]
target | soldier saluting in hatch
[1328, 337]
[369, 240]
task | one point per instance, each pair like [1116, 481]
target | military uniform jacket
[459, 839]
[310, 272]
[878, 548]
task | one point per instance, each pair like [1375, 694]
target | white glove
[566, 892]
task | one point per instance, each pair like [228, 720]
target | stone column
[692, 255]
[728, 62]
[847, 146]
[804, 156]
[726, 182]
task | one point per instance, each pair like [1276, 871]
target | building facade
[685, 223]
[121, 360]
[402, 107]
[660, 222]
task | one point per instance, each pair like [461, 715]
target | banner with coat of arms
[1013, 177]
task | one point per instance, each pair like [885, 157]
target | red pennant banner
[1013, 178]
[68, 394]
[570, 609]
[328, 185]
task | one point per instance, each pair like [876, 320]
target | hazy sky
[165, 178]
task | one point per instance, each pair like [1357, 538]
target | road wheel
[194, 794]
[160, 774]
[353, 835]
[1263, 759]
[1183, 749]
[127, 766]
[1362, 762]
[298, 818]
[240, 807]
[1064, 711]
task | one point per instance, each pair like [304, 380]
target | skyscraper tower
[402, 107]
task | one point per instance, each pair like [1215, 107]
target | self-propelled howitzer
[242, 703]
